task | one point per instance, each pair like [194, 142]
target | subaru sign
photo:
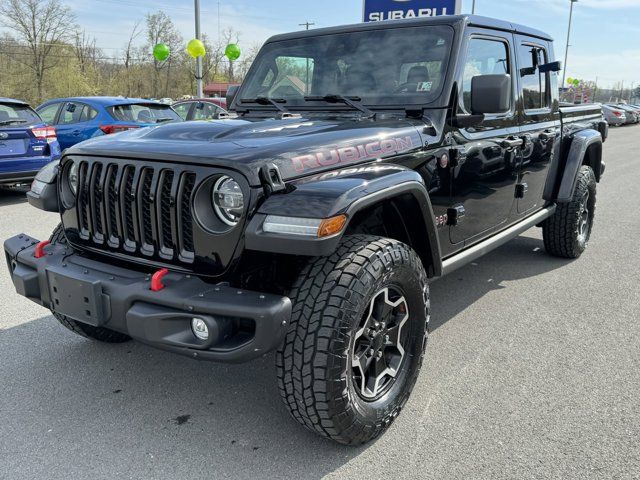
[376, 10]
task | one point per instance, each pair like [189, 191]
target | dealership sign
[376, 10]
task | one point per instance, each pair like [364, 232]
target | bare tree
[85, 50]
[160, 29]
[128, 55]
[229, 36]
[41, 25]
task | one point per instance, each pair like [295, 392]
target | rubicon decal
[352, 154]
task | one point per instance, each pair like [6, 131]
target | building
[217, 89]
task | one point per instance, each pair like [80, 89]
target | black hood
[298, 147]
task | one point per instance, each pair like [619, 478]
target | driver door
[483, 182]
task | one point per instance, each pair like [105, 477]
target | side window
[48, 113]
[207, 111]
[535, 85]
[88, 113]
[484, 57]
[183, 109]
[71, 113]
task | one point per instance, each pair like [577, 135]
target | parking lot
[532, 371]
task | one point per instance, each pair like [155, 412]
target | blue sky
[605, 39]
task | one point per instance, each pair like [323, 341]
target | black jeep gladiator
[362, 163]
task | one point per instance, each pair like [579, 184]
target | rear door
[68, 125]
[484, 181]
[539, 119]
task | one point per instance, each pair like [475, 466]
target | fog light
[199, 328]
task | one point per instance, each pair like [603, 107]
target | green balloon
[195, 48]
[161, 52]
[576, 82]
[232, 52]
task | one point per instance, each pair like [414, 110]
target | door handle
[75, 132]
[512, 142]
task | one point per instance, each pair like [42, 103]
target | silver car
[632, 113]
[614, 116]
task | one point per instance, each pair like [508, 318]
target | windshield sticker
[367, 151]
[424, 86]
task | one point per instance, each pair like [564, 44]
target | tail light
[617, 113]
[109, 129]
[44, 133]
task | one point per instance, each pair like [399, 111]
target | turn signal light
[331, 226]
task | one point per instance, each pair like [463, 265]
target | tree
[40, 25]
[160, 29]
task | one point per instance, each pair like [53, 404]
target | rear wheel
[100, 334]
[567, 232]
[357, 339]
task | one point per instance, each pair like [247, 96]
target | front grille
[137, 209]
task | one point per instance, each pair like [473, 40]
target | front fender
[342, 192]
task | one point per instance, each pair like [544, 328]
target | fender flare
[580, 143]
[348, 194]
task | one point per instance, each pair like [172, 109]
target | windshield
[395, 66]
[143, 113]
[14, 114]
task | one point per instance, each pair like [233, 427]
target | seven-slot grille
[137, 208]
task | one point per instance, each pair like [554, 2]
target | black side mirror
[231, 94]
[550, 67]
[490, 94]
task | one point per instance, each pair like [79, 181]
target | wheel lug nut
[386, 338]
[379, 355]
[371, 352]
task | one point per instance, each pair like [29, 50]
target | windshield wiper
[276, 102]
[353, 102]
[9, 122]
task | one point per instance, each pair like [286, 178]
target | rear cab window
[143, 113]
[12, 114]
[535, 85]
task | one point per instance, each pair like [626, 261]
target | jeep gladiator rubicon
[363, 162]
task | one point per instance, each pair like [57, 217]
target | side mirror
[490, 94]
[231, 94]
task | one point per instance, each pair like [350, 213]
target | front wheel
[356, 340]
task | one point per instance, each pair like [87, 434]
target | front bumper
[242, 324]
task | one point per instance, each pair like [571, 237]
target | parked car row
[621, 114]
[29, 139]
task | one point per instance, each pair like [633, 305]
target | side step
[478, 250]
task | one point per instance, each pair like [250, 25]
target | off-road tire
[329, 299]
[561, 231]
[100, 334]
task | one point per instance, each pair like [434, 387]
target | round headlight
[228, 200]
[72, 177]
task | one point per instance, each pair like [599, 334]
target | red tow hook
[156, 280]
[39, 253]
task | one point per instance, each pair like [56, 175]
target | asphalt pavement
[532, 372]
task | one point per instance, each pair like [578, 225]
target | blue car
[27, 143]
[80, 118]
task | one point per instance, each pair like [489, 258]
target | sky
[605, 39]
